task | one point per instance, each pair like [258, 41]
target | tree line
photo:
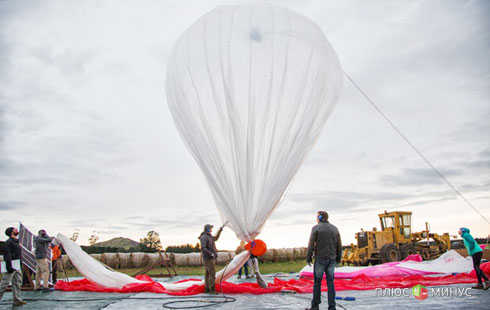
[149, 244]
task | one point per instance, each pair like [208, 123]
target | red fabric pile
[361, 282]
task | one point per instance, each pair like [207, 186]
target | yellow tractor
[394, 242]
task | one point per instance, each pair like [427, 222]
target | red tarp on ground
[360, 282]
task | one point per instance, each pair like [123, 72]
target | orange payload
[258, 247]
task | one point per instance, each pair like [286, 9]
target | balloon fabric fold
[360, 282]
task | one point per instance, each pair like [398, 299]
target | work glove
[213, 255]
[223, 226]
[308, 261]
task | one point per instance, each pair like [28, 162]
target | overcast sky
[87, 141]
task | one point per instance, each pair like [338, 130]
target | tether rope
[415, 148]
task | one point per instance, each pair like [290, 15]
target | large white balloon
[250, 89]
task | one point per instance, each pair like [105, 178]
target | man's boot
[486, 285]
[18, 303]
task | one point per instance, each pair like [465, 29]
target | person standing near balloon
[325, 245]
[209, 255]
[239, 250]
[43, 255]
[253, 265]
[476, 253]
[55, 258]
[11, 256]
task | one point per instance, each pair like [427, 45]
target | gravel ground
[365, 300]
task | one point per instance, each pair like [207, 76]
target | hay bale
[181, 259]
[290, 254]
[124, 260]
[139, 260]
[280, 255]
[297, 253]
[223, 257]
[97, 256]
[171, 256]
[194, 259]
[303, 252]
[268, 256]
[154, 258]
[111, 260]
[274, 255]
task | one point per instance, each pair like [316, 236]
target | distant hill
[118, 242]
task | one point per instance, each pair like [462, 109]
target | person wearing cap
[325, 245]
[11, 252]
[43, 255]
[209, 255]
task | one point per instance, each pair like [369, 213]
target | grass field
[265, 268]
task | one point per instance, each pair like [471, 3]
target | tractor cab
[399, 223]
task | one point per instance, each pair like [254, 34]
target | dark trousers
[476, 264]
[327, 266]
[246, 270]
[54, 271]
[209, 278]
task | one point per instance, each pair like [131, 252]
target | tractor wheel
[389, 253]
[426, 254]
[407, 249]
[457, 245]
[364, 263]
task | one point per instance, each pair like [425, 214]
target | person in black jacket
[326, 246]
[209, 255]
[11, 253]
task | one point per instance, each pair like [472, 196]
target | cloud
[485, 153]
[85, 131]
[333, 201]
[476, 186]
[346, 204]
[10, 205]
[348, 194]
[480, 164]
[417, 177]
[3, 126]
[424, 202]
[6, 166]
[171, 221]
[93, 222]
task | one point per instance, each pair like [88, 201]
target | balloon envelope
[250, 89]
